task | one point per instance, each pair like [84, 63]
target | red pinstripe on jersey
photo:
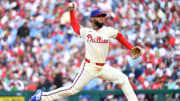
[70, 86]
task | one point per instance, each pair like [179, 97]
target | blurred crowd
[39, 49]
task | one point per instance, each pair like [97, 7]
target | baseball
[71, 4]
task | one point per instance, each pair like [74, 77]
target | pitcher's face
[98, 21]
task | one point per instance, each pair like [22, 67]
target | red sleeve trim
[123, 41]
[74, 23]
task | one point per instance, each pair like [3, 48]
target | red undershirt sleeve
[123, 41]
[74, 23]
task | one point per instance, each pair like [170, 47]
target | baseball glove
[136, 52]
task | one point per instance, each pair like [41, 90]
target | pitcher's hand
[71, 7]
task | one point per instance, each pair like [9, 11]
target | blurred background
[39, 49]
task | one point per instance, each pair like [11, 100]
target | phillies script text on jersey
[98, 39]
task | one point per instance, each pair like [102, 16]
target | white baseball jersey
[97, 42]
[97, 47]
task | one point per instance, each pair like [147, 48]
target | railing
[96, 94]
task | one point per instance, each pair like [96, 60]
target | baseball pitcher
[96, 46]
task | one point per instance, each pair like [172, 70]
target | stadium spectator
[14, 84]
[23, 31]
[1, 86]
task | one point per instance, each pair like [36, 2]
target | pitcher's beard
[98, 24]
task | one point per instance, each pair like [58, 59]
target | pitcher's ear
[91, 19]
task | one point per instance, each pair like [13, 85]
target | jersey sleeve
[83, 32]
[75, 25]
[123, 41]
[113, 32]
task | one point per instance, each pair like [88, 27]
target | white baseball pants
[88, 72]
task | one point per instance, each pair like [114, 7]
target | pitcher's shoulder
[109, 28]
[86, 29]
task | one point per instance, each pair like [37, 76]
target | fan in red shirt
[147, 56]
[149, 70]
[156, 84]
